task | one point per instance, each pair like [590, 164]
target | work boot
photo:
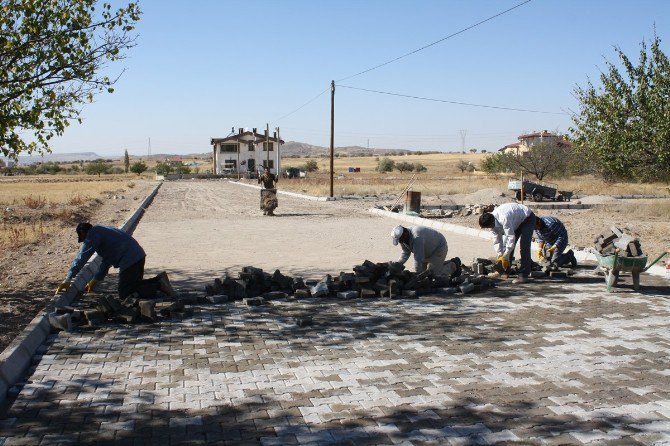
[164, 284]
[573, 259]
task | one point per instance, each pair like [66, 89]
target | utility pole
[267, 145]
[332, 133]
[277, 166]
[463, 133]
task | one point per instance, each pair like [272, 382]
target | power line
[303, 105]
[437, 41]
[454, 102]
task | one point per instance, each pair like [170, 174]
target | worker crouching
[428, 246]
[118, 249]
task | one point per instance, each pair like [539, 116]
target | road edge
[16, 358]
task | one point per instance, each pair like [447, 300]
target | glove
[504, 261]
[551, 249]
[90, 285]
[540, 253]
[63, 287]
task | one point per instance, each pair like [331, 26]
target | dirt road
[196, 230]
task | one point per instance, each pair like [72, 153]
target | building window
[266, 145]
[251, 146]
[230, 164]
[228, 148]
[268, 163]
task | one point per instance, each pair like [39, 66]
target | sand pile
[482, 196]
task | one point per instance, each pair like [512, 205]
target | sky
[204, 66]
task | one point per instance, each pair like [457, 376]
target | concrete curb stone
[17, 357]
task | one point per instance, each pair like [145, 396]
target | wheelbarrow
[613, 265]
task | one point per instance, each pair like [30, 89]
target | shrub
[35, 202]
[385, 165]
[404, 167]
[163, 169]
[311, 166]
[138, 167]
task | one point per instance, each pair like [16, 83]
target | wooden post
[522, 194]
[238, 159]
[214, 160]
[267, 145]
[277, 167]
[332, 134]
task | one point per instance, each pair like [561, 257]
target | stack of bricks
[614, 239]
[368, 280]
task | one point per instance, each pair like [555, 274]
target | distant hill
[288, 149]
[59, 158]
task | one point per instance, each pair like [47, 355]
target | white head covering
[396, 233]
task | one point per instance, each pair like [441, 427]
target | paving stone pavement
[547, 363]
[581, 366]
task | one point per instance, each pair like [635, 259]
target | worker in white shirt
[509, 223]
[428, 246]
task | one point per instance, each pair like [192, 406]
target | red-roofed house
[526, 142]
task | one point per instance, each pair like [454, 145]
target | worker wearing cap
[119, 249]
[428, 246]
[510, 222]
[553, 239]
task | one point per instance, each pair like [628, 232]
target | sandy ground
[29, 275]
[198, 230]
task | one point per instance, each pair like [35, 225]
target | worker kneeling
[428, 246]
[118, 249]
[553, 239]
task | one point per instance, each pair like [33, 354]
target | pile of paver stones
[96, 311]
[368, 280]
[256, 287]
[614, 239]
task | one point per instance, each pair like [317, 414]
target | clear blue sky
[202, 67]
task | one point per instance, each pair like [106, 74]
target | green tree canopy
[97, 167]
[404, 166]
[163, 169]
[385, 165]
[623, 126]
[126, 161]
[52, 54]
[138, 167]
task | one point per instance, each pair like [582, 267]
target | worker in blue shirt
[118, 249]
[553, 240]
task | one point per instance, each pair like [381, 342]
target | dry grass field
[443, 177]
[32, 206]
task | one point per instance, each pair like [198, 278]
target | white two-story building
[246, 152]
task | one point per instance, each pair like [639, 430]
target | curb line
[581, 254]
[290, 194]
[17, 356]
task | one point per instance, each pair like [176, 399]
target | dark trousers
[131, 281]
[525, 233]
